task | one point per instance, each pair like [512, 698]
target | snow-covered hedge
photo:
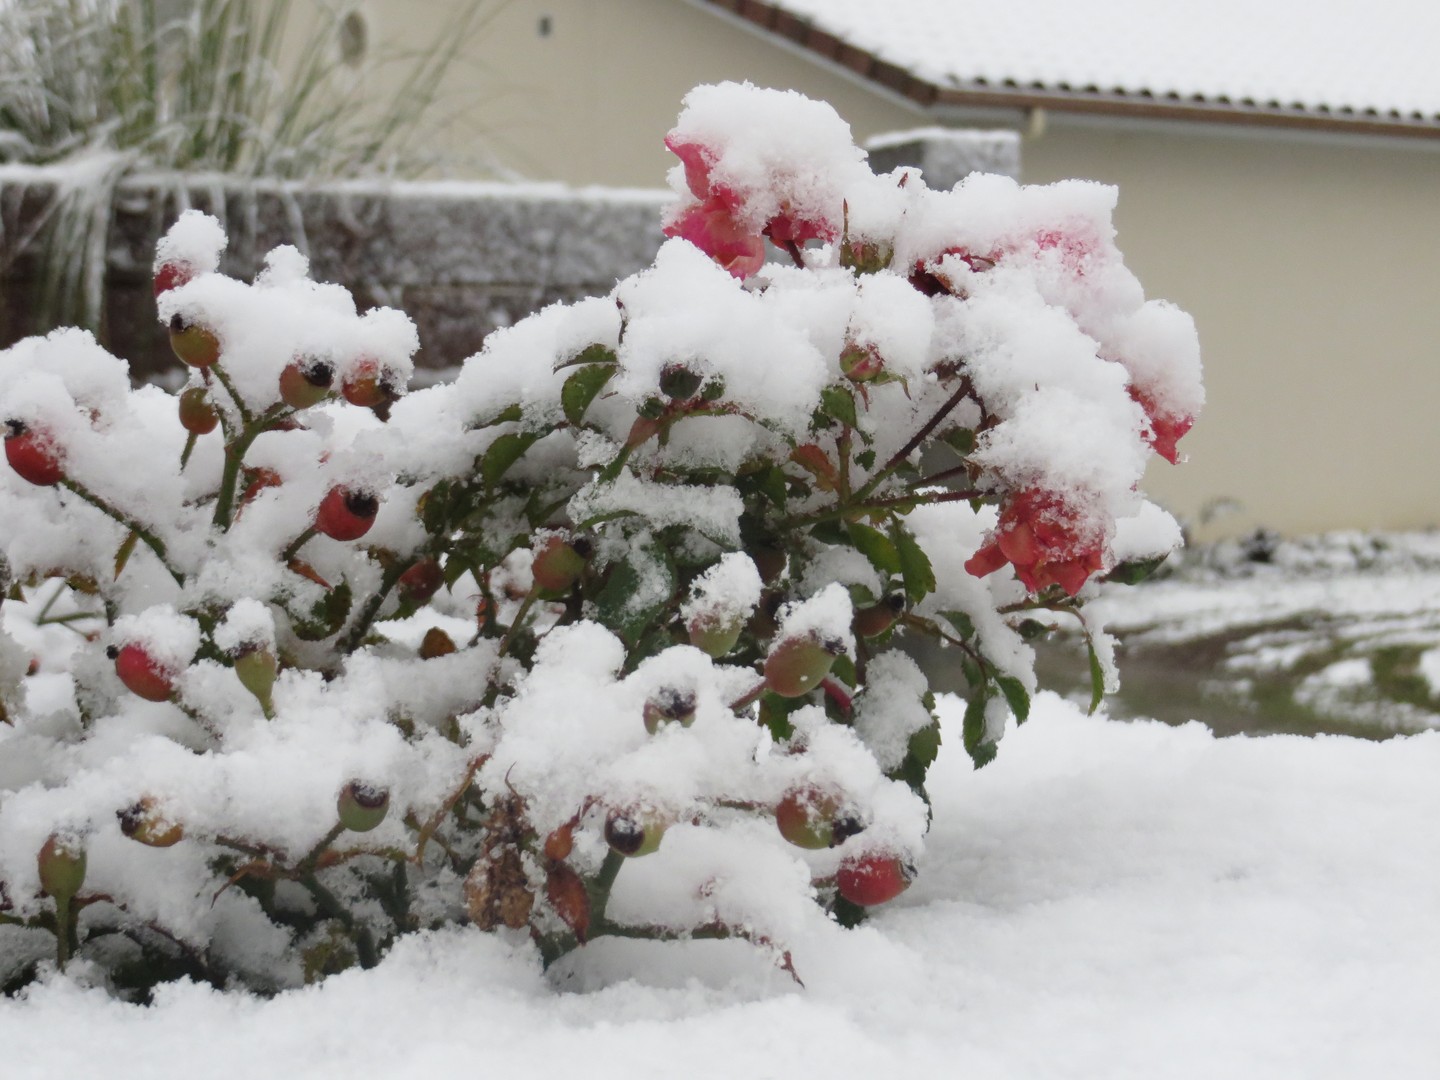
[294, 663]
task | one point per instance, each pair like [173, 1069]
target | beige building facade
[1309, 257]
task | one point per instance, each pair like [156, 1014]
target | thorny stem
[201, 721]
[307, 864]
[335, 858]
[351, 641]
[943, 474]
[44, 618]
[730, 409]
[748, 805]
[45, 610]
[599, 888]
[1062, 607]
[898, 458]
[413, 823]
[193, 955]
[714, 931]
[793, 250]
[207, 379]
[525, 606]
[235, 457]
[327, 903]
[484, 611]
[903, 503]
[745, 700]
[296, 544]
[246, 416]
[151, 540]
[62, 930]
[428, 829]
[930, 627]
[244, 846]
[190, 441]
[74, 616]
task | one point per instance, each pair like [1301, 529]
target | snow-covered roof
[1349, 64]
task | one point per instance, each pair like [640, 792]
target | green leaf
[503, 453]
[775, 714]
[963, 624]
[1097, 678]
[772, 486]
[542, 505]
[1016, 696]
[875, 546]
[839, 402]
[981, 752]
[961, 440]
[457, 565]
[638, 589]
[435, 507]
[1031, 629]
[325, 616]
[920, 754]
[830, 532]
[762, 481]
[652, 644]
[609, 515]
[509, 414]
[865, 459]
[925, 745]
[848, 914]
[914, 564]
[126, 550]
[860, 596]
[580, 390]
[1135, 571]
[591, 354]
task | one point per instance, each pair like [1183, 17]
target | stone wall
[459, 258]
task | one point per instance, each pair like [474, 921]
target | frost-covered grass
[1104, 900]
[107, 88]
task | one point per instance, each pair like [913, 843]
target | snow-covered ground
[1105, 900]
[1337, 633]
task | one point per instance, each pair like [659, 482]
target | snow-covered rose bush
[605, 637]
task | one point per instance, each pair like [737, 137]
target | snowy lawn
[1105, 900]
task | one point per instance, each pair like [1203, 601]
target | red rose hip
[806, 817]
[192, 343]
[142, 674]
[873, 879]
[345, 514]
[172, 274]
[197, 412]
[33, 455]
[306, 383]
[797, 665]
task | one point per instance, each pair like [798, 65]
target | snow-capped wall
[460, 258]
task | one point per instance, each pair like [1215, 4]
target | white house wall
[1312, 270]
[1310, 267]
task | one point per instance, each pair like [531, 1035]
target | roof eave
[932, 97]
[1191, 110]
